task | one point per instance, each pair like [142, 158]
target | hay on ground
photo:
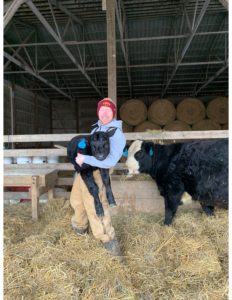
[46, 260]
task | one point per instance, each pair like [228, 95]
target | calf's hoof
[100, 214]
[113, 204]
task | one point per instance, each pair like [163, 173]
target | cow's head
[140, 156]
[100, 143]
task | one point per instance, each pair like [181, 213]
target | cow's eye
[138, 154]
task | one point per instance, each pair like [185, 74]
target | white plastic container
[8, 160]
[53, 159]
[39, 159]
[23, 160]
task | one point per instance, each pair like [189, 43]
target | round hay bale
[133, 112]
[177, 126]
[126, 127]
[146, 125]
[225, 126]
[217, 110]
[206, 124]
[190, 110]
[161, 112]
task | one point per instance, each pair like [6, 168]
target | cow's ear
[149, 148]
[111, 132]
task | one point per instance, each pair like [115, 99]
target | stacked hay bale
[217, 111]
[133, 112]
[190, 114]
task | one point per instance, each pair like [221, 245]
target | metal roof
[174, 47]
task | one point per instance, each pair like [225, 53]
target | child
[81, 200]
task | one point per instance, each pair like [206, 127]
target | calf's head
[140, 157]
[100, 143]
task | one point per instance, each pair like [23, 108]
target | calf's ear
[82, 144]
[111, 132]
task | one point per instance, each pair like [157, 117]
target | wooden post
[77, 116]
[111, 50]
[35, 197]
[50, 194]
[35, 119]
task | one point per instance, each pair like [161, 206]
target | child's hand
[79, 159]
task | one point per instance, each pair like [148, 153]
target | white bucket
[53, 159]
[8, 160]
[23, 160]
[39, 159]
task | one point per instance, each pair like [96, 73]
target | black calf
[97, 145]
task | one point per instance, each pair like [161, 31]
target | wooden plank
[35, 197]
[27, 172]
[68, 181]
[51, 178]
[17, 180]
[158, 135]
[59, 166]
[35, 152]
[111, 50]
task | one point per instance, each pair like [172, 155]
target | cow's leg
[93, 190]
[172, 198]
[208, 209]
[106, 180]
[170, 211]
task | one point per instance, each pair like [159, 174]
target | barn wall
[7, 109]
[31, 111]
[64, 117]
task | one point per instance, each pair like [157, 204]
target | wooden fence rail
[156, 136]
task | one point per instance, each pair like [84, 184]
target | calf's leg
[93, 190]
[106, 180]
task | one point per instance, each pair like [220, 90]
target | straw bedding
[45, 260]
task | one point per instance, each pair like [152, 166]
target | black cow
[97, 145]
[200, 168]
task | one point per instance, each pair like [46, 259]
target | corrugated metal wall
[64, 117]
[31, 112]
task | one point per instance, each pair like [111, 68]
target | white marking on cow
[186, 198]
[131, 163]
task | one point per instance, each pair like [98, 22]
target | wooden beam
[111, 50]
[103, 4]
[130, 136]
